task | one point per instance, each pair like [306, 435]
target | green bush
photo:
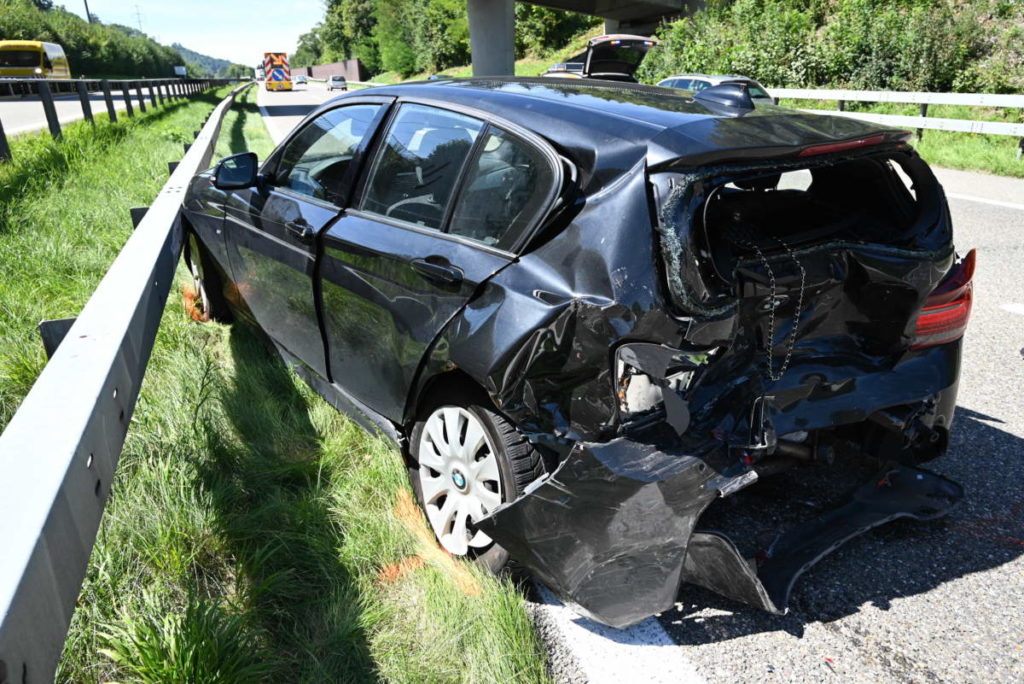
[93, 50]
[935, 45]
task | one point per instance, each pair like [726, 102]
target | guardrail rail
[59, 452]
[158, 90]
[923, 121]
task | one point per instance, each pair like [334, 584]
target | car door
[418, 242]
[271, 231]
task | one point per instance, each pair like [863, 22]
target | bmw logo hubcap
[459, 479]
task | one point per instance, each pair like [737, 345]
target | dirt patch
[193, 305]
[427, 549]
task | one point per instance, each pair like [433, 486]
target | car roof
[599, 117]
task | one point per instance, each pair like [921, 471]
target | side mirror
[236, 172]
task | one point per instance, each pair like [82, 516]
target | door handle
[442, 273]
[300, 230]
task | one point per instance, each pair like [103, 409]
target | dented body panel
[679, 326]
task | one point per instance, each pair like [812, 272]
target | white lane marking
[641, 653]
[1013, 307]
[983, 200]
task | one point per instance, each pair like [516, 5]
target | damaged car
[598, 317]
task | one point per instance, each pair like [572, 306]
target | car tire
[440, 462]
[209, 285]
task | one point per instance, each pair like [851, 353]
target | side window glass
[700, 85]
[506, 185]
[317, 160]
[419, 164]
[684, 83]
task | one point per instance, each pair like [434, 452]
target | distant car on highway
[337, 83]
[32, 59]
[300, 79]
[589, 312]
[614, 57]
[699, 82]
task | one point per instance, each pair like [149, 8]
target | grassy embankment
[253, 533]
[986, 153]
[969, 151]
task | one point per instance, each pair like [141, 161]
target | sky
[240, 31]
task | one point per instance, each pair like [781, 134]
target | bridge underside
[492, 24]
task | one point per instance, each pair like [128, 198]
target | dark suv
[596, 316]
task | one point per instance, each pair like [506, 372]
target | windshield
[20, 58]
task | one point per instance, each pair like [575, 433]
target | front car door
[271, 231]
[445, 201]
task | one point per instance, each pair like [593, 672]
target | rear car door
[444, 203]
[271, 231]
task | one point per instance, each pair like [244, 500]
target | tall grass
[252, 533]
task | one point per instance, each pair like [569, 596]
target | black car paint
[608, 530]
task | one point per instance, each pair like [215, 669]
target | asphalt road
[907, 602]
[23, 115]
[283, 109]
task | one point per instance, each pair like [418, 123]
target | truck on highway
[277, 72]
[32, 59]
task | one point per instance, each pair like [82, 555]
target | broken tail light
[944, 316]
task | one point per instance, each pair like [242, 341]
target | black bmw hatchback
[605, 321]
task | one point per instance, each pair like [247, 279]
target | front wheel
[208, 284]
[469, 460]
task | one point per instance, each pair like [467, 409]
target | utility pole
[88, 16]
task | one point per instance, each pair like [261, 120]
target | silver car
[699, 82]
[337, 83]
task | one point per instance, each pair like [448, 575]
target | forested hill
[208, 66]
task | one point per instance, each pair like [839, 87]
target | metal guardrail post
[152, 95]
[5, 149]
[924, 113]
[49, 109]
[109, 99]
[126, 91]
[159, 93]
[142, 98]
[83, 97]
[56, 481]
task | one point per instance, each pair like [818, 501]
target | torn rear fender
[608, 530]
[612, 530]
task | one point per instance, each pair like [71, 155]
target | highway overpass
[492, 24]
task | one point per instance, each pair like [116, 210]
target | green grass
[995, 154]
[252, 533]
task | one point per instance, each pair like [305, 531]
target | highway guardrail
[159, 90]
[923, 100]
[60, 450]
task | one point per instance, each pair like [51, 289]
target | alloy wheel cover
[459, 477]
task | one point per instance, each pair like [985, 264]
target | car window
[683, 83]
[419, 163]
[506, 185]
[698, 85]
[317, 160]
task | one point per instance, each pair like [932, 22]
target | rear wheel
[208, 284]
[469, 460]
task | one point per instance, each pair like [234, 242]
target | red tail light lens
[845, 146]
[944, 316]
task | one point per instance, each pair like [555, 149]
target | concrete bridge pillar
[492, 37]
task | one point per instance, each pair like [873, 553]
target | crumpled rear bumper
[612, 530]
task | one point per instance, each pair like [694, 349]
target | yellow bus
[32, 59]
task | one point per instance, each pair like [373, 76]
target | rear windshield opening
[864, 200]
